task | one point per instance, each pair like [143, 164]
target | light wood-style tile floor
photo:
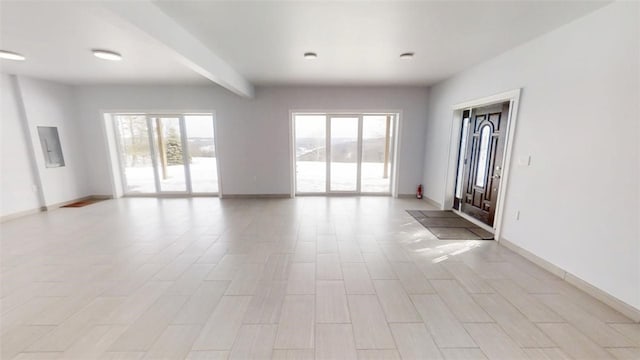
[324, 278]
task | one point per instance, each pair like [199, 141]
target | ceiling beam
[147, 17]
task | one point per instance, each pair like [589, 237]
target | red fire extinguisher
[419, 192]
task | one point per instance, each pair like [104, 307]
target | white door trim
[513, 96]
[292, 155]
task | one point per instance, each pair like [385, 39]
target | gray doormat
[447, 225]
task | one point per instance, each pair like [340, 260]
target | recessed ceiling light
[106, 55]
[407, 55]
[10, 55]
[310, 55]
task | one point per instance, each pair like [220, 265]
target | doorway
[481, 153]
[482, 137]
[167, 154]
[344, 153]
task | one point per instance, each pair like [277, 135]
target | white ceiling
[360, 42]
[357, 42]
[57, 38]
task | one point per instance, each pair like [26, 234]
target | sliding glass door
[343, 153]
[344, 150]
[311, 153]
[203, 166]
[377, 137]
[136, 157]
[167, 154]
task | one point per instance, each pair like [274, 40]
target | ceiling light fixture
[310, 55]
[106, 55]
[10, 55]
[407, 55]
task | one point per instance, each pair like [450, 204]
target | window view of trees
[169, 168]
[135, 153]
[134, 138]
[174, 148]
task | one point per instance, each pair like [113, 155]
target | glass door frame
[329, 119]
[393, 148]
[154, 152]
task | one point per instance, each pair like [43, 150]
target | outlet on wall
[524, 160]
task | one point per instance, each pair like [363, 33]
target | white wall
[43, 103]
[51, 104]
[18, 179]
[252, 134]
[579, 120]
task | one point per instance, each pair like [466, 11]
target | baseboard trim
[555, 270]
[424, 198]
[56, 206]
[84, 198]
[409, 196]
[432, 202]
[255, 196]
[171, 196]
[617, 304]
[101, 197]
[19, 214]
[51, 207]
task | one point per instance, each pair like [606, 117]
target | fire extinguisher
[419, 192]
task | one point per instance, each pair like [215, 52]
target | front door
[482, 164]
